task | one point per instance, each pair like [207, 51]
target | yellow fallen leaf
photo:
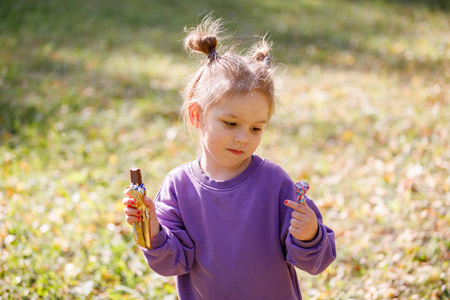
[112, 159]
[3, 231]
[347, 135]
[119, 206]
[24, 166]
[110, 217]
[92, 228]
[20, 187]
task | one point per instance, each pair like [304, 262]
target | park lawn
[90, 89]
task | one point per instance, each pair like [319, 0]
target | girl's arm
[312, 256]
[172, 251]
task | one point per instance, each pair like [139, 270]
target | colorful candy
[301, 188]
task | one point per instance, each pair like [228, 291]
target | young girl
[226, 224]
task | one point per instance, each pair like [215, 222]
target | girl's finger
[297, 215]
[296, 223]
[300, 208]
[128, 201]
[132, 219]
[292, 204]
[295, 231]
[131, 211]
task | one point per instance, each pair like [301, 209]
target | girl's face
[230, 132]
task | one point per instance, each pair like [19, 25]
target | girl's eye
[230, 123]
[256, 129]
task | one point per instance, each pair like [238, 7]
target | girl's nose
[241, 137]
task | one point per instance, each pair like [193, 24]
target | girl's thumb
[148, 201]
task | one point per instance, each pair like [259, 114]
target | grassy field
[89, 89]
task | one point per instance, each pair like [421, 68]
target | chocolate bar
[141, 229]
[135, 175]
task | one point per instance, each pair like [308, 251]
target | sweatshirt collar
[226, 184]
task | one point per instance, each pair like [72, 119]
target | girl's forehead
[237, 101]
[255, 104]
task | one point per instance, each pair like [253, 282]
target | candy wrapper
[141, 229]
[301, 188]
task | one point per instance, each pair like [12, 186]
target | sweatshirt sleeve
[172, 250]
[312, 256]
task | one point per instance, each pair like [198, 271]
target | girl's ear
[194, 114]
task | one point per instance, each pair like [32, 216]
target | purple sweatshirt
[229, 239]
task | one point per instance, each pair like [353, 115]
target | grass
[88, 90]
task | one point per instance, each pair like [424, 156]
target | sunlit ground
[89, 90]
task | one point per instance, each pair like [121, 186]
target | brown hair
[227, 74]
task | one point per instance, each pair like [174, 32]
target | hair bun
[261, 52]
[260, 55]
[203, 38]
[199, 42]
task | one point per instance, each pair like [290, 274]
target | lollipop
[141, 229]
[301, 188]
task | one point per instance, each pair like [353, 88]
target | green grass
[90, 89]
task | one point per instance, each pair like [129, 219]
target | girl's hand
[304, 224]
[134, 215]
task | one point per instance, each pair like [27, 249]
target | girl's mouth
[236, 152]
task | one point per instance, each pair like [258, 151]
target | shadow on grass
[304, 33]
[432, 5]
[36, 91]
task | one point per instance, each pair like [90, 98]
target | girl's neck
[224, 173]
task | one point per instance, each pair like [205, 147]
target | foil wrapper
[141, 229]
